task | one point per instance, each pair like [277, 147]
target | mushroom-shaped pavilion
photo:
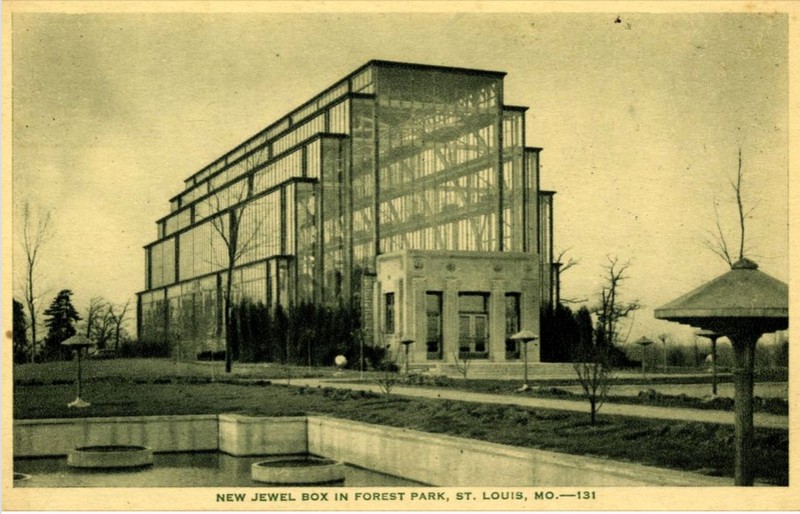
[743, 304]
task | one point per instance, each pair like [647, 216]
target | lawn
[648, 396]
[699, 447]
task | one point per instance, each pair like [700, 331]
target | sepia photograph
[398, 256]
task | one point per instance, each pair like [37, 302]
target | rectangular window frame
[389, 313]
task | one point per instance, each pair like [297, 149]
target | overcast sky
[640, 120]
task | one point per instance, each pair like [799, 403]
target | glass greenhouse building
[405, 189]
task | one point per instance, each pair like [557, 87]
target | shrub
[144, 348]
[208, 355]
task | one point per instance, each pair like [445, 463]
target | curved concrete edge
[270, 471]
[93, 457]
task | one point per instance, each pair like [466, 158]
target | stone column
[417, 318]
[497, 322]
[450, 319]
[529, 317]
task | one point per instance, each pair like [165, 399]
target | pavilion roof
[743, 294]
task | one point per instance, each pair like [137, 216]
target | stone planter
[112, 456]
[299, 470]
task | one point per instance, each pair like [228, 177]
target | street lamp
[644, 342]
[713, 336]
[407, 341]
[78, 343]
[525, 337]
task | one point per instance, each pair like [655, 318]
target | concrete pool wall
[429, 458]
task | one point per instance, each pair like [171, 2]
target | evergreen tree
[583, 319]
[61, 317]
[20, 334]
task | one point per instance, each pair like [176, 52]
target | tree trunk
[226, 321]
[593, 403]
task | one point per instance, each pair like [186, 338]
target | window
[433, 314]
[473, 325]
[512, 325]
[388, 320]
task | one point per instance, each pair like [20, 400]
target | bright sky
[640, 122]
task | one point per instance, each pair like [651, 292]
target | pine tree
[20, 334]
[60, 321]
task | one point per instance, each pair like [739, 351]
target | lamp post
[710, 334]
[525, 337]
[663, 339]
[644, 342]
[78, 343]
[407, 342]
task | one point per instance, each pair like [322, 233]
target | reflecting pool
[197, 469]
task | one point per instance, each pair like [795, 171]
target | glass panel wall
[339, 118]
[531, 206]
[513, 182]
[438, 160]
[203, 249]
[546, 245]
[306, 238]
[333, 216]
[260, 228]
[363, 182]
[162, 263]
[279, 171]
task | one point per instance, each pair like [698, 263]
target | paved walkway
[643, 411]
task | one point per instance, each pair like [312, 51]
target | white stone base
[298, 470]
[100, 457]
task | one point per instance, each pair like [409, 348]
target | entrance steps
[496, 370]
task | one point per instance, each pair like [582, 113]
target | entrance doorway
[473, 326]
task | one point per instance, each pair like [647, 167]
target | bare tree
[561, 267]
[387, 367]
[104, 328]
[611, 310]
[118, 320]
[594, 358]
[34, 237]
[593, 365]
[462, 363]
[717, 242]
[570, 262]
[228, 207]
[94, 313]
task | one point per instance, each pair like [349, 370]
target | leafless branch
[717, 242]
[34, 237]
[568, 264]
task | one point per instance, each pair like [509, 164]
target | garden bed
[699, 447]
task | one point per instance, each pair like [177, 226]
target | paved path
[643, 411]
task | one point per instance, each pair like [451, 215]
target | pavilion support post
[78, 359]
[744, 346]
[714, 366]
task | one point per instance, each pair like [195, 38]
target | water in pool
[199, 469]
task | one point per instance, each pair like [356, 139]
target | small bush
[144, 348]
[208, 355]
